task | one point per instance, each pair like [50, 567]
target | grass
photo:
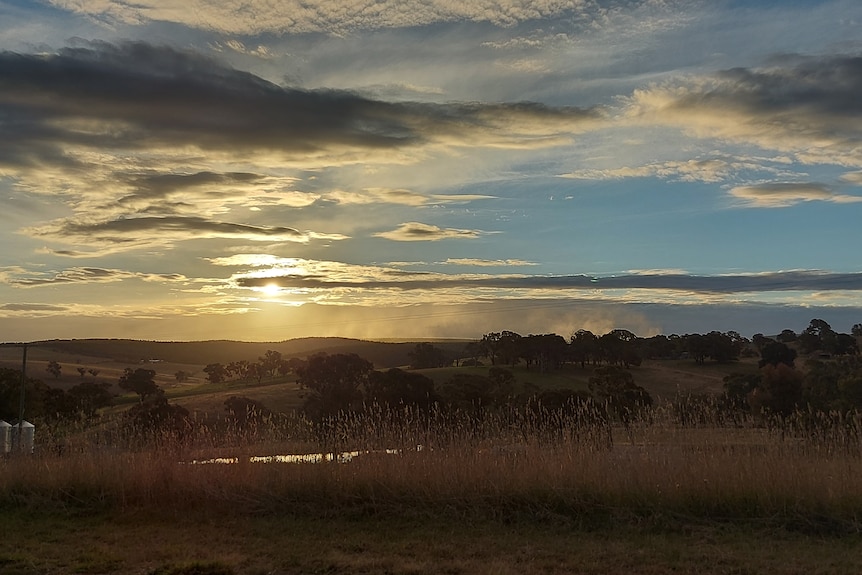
[511, 466]
[514, 492]
[270, 544]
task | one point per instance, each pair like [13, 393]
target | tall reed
[566, 465]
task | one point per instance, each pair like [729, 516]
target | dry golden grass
[507, 467]
[518, 492]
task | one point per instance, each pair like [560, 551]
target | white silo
[5, 437]
[28, 435]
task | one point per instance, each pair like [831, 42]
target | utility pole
[21, 400]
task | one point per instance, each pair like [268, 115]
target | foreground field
[499, 496]
[210, 543]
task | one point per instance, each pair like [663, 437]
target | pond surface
[342, 457]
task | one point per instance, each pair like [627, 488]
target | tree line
[829, 377]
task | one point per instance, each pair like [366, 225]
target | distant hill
[381, 354]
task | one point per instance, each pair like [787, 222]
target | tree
[247, 413]
[88, 397]
[398, 387]
[82, 371]
[503, 346]
[140, 381]
[335, 381]
[473, 349]
[10, 395]
[776, 352]
[270, 362]
[584, 347]
[844, 344]
[490, 346]
[549, 351]
[617, 347]
[787, 336]
[216, 372]
[779, 391]
[818, 335]
[738, 386]
[157, 419]
[425, 355]
[856, 330]
[181, 376]
[54, 369]
[474, 393]
[94, 372]
[284, 367]
[257, 371]
[616, 387]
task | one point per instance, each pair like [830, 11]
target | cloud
[663, 280]
[136, 96]
[149, 145]
[707, 170]
[83, 275]
[207, 187]
[33, 307]
[128, 233]
[781, 195]
[334, 16]
[805, 106]
[398, 196]
[853, 178]
[419, 232]
[235, 45]
[488, 263]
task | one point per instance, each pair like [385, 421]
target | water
[342, 457]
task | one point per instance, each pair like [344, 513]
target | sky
[262, 171]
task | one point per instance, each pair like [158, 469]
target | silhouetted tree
[270, 362]
[216, 372]
[10, 395]
[335, 382]
[140, 381]
[157, 419]
[584, 347]
[787, 336]
[473, 349]
[424, 355]
[776, 352]
[616, 387]
[548, 351]
[779, 391]
[398, 387]
[737, 388]
[88, 397]
[247, 414]
[818, 335]
[617, 347]
[54, 369]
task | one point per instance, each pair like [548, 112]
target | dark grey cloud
[152, 187]
[32, 307]
[166, 228]
[767, 282]
[137, 96]
[827, 86]
[782, 194]
[82, 275]
[806, 105]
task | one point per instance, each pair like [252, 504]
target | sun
[271, 289]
